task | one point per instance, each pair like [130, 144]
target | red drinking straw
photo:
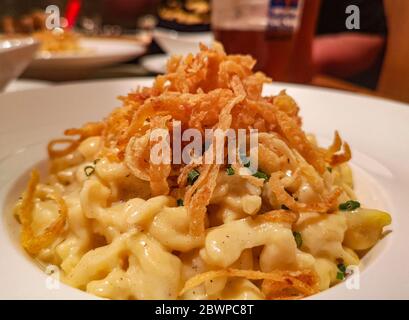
[71, 12]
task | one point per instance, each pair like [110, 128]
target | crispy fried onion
[137, 156]
[159, 172]
[278, 284]
[298, 140]
[331, 155]
[294, 285]
[334, 147]
[327, 203]
[283, 197]
[287, 104]
[31, 242]
[309, 172]
[198, 195]
[275, 147]
[338, 159]
[53, 153]
[90, 129]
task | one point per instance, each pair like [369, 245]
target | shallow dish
[15, 56]
[155, 63]
[174, 42]
[376, 129]
[94, 54]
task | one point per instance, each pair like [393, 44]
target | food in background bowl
[192, 12]
[58, 41]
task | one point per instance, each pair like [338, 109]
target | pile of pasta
[58, 40]
[122, 227]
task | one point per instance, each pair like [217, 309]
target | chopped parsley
[230, 171]
[192, 176]
[340, 276]
[342, 269]
[297, 238]
[180, 202]
[88, 170]
[349, 205]
[261, 175]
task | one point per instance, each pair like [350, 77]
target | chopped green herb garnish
[261, 175]
[284, 207]
[297, 238]
[329, 169]
[89, 170]
[342, 269]
[192, 176]
[230, 171]
[349, 205]
[180, 202]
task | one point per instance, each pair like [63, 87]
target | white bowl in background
[155, 63]
[15, 56]
[174, 42]
[95, 54]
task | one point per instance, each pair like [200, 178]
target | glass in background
[90, 19]
[278, 33]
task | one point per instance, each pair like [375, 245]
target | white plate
[20, 85]
[15, 56]
[174, 42]
[377, 130]
[155, 63]
[95, 53]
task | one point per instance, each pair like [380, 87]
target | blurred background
[350, 45]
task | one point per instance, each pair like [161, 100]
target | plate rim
[138, 49]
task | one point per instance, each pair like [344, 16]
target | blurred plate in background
[174, 42]
[95, 53]
[155, 63]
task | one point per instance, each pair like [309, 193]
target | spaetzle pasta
[121, 226]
